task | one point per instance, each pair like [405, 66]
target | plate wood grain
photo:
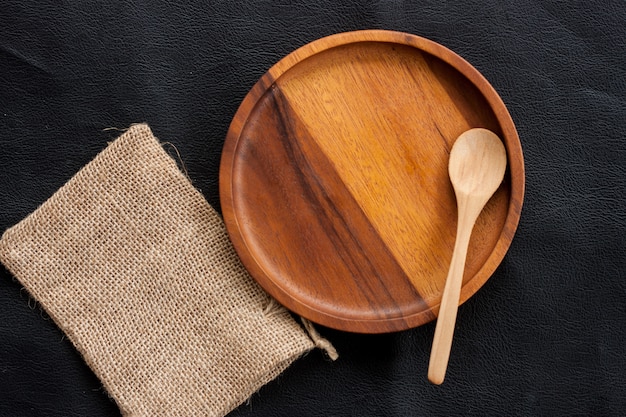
[334, 184]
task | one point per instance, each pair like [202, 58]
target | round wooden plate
[334, 183]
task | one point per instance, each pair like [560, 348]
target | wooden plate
[334, 184]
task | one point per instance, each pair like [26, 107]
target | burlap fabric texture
[136, 268]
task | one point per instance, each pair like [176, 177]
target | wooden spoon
[476, 169]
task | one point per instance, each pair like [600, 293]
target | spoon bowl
[477, 163]
[476, 169]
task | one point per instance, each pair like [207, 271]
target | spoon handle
[442, 341]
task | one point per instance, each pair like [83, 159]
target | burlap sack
[136, 268]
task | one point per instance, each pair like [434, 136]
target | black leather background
[546, 336]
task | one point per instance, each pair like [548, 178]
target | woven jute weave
[136, 268]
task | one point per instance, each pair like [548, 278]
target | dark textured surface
[544, 337]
